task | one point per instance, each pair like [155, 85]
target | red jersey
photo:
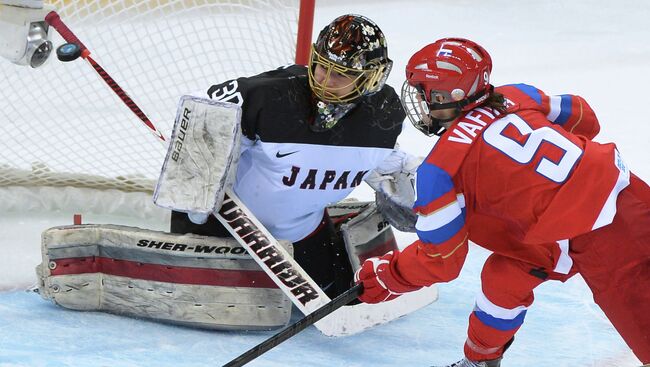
[520, 184]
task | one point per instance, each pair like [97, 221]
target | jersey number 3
[556, 171]
[227, 93]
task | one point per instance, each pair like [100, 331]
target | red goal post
[63, 127]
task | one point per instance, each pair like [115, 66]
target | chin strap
[459, 105]
[436, 126]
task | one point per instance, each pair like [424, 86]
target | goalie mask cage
[64, 127]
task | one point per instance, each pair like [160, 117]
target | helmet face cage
[364, 82]
[417, 110]
[353, 46]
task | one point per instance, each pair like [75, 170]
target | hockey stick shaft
[297, 327]
[124, 97]
[55, 21]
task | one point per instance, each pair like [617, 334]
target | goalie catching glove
[380, 279]
[393, 182]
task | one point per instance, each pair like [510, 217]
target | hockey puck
[68, 52]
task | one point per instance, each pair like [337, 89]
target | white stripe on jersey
[564, 262]
[438, 218]
[556, 109]
[608, 211]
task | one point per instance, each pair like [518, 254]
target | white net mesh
[64, 127]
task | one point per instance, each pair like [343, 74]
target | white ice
[598, 49]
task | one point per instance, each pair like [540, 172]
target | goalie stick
[267, 251]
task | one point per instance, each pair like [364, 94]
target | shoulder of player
[384, 103]
[516, 89]
[521, 96]
[385, 94]
[291, 76]
[375, 122]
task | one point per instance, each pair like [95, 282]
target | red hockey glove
[380, 282]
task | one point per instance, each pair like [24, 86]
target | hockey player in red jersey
[515, 171]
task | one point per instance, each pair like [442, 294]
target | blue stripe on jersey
[432, 183]
[565, 110]
[500, 324]
[444, 233]
[530, 91]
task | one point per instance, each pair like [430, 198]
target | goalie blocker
[202, 157]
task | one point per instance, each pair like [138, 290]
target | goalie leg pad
[192, 280]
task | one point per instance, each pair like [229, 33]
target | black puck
[68, 52]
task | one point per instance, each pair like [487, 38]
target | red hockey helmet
[449, 73]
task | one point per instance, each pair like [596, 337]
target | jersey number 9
[556, 171]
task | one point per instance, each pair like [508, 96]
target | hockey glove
[395, 202]
[394, 182]
[380, 280]
[394, 176]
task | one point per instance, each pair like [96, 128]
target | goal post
[63, 127]
[305, 29]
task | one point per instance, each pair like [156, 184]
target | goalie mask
[348, 61]
[452, 73]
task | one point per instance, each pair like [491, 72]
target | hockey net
[63, 127]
